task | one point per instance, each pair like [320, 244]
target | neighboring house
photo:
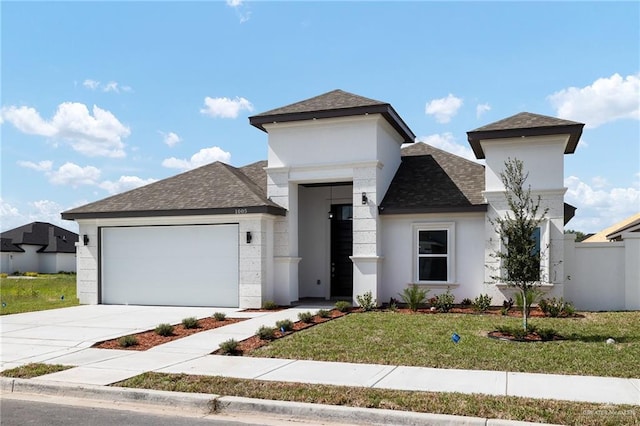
[339, 208]
[38, 247]
[615, 231]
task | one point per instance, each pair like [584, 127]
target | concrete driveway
[44, 335]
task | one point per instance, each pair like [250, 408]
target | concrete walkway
[64, 336]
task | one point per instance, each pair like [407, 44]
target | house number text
[241, 211]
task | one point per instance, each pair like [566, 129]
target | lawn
[500, 407]
[46, 291]
[425, 340]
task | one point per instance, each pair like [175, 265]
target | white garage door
[170, 265]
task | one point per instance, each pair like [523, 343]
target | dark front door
[341, 249]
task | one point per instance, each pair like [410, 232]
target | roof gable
[526, 124]
[51, 238]
[336, 103]
[215, 188]
[431, 180]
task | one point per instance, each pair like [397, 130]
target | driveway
[44, 335]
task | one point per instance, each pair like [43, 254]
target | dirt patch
[149, 339]
[529, 337]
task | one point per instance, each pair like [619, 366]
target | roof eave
[573, 130]
[386, 110]
[272, 210]
[418, 210]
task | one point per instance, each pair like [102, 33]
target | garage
[182, 265]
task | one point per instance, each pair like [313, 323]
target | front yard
[46, 291]
[425, 340]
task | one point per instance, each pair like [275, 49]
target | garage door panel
[170, 265]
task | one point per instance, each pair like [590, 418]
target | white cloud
[443, 109]
[91, 84]
[40, 166]
[7, 211]
[606, 100]
[598, 206]
[112, 86]
[41, 210]
[94, 135]
[481, 109]
[242, 10]
[27, 120]
[225, 107]
[171, 138]
[200, 158]
[74, 175]
[125, 183]
[447, 142]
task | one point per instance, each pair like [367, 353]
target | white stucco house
[38, 247]
[338, 208]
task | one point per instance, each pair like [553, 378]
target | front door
[341, 250]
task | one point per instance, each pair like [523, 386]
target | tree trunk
[525, 310]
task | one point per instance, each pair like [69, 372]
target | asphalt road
[21, 412]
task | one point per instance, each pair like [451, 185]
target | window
[434, 252]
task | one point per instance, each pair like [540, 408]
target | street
[76, 412]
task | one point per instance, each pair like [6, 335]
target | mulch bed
[254, 342]
[494, 310]
[530, 337]
[149, 339]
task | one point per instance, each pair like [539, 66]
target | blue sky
[98, 98]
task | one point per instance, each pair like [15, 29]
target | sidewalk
[190, 355]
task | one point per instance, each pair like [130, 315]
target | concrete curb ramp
[206, 404]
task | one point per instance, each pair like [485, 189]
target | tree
[519, 255]
[579, 235]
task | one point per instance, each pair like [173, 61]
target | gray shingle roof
[526, 124]
[216, 188]
[52, 238]
[432, 180]
[336, 103]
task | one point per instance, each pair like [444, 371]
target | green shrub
[466, 302]
[532, 296]
[266, 333]
[30, 274]
[284, 325]
[482, 303]
[164, 330]
[343, 305]
[269, 305]
[229, 347]
[306, 317]
[323, 313]
[366, 301]
[414, 296]
[444, 301]
[219, 316]
[126, 341]
[190, 322]
[3, 275]
[556, 307]
[547, 333]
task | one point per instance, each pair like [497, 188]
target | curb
[207, 404]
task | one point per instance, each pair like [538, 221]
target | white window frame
[450, 227]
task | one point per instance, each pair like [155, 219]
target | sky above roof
[102, 97]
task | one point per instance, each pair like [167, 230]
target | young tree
[519, 255]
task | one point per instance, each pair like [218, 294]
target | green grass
[30, 371]
[37, 294]
[425, 340]
[500, 407]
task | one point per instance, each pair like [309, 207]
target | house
[615, 231]
[339, 208]
[38, 247]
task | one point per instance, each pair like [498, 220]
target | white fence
[603, 276]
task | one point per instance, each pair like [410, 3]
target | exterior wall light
[85, 239]
[364, 198]
[249, 237]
